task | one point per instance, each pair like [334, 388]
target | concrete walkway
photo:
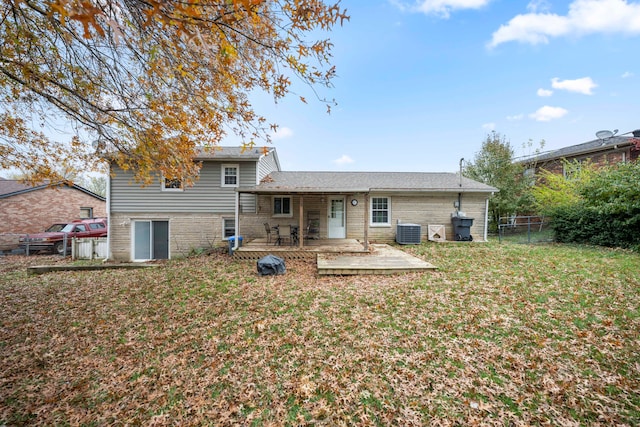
[382, 260]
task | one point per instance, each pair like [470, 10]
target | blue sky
[422, 83]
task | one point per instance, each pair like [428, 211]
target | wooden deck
[383, 259]
[340, 256]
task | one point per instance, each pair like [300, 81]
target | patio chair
[267, 228]
[284, 234]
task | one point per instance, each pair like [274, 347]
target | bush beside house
[605, 211]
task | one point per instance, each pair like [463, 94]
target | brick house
[246, 192]
[28, 209]
[602, 151]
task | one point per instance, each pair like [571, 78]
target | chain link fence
[525, 229]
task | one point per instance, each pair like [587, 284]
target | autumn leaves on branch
[151, 80]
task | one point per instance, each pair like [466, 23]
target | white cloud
[547, 113]
[544, 92]
[282, 133]
[583, 17]
[536, 6]
[583, 85]
[344, 160]
[515, 118]
[489, 126]
[442, 8]
[627, 74]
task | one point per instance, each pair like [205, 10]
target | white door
[336, 224]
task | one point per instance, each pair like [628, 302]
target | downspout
[460, 193]
[236, 242]
[109, 225]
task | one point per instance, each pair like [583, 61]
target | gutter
[283, 190]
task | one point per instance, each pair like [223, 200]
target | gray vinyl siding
[205, 196]
[266, 165]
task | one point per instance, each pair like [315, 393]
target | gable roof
[363, 182]
[11, 187]
[593, 146]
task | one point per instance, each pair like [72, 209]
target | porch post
[366, 221]
[301, 223]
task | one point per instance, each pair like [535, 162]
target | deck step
[382, 260]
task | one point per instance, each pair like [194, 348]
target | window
[96, 226]
[380, 211]
[230, 175]
[86, 212]
[172, 185]
[229, 227]
[73, 228]
[282, 206]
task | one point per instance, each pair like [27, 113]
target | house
[165, 219]
[28, 208]
[248, 188]
[607, 149]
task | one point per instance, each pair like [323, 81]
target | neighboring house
[165, 220]
[601, 151]
[28, 209]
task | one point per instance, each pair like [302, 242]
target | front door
[336, 225]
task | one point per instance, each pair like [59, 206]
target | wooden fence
[89, 248]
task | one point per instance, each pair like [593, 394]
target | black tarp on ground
[270, 265]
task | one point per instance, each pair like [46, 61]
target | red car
[53, 241]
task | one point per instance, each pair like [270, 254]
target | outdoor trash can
[232, 243]
[271, 265]
[462, 228]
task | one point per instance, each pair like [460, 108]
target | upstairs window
[172, 185]
[230, 175]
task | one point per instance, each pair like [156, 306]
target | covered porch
[320, 221]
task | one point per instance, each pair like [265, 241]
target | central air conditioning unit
[408, 234]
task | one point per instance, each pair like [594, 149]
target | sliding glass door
[150, 240]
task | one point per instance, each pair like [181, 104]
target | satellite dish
[603, 134]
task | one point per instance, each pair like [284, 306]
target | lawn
[501, 334]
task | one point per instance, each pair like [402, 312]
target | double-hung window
[380, 211]
[230, 175]
[282, 206]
